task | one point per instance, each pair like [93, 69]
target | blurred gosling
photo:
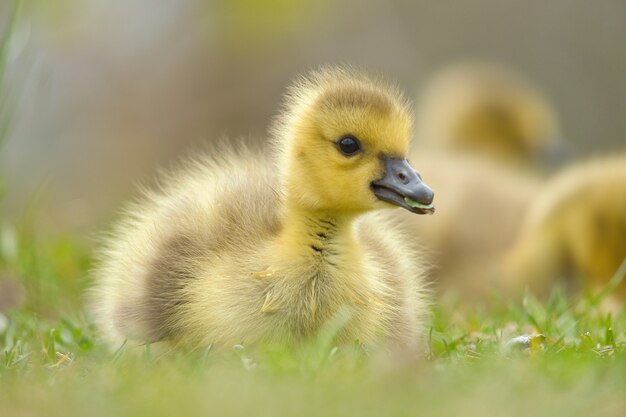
[252, 247]
[481, 133]
[576, 228]
[488, 110]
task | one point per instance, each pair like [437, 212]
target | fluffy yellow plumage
[251, 248]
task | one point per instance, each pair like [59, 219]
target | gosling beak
[403, 186]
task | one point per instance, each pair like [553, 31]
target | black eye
[349, 145]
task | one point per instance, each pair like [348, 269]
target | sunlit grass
[572, 362]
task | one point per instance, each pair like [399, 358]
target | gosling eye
[349, 145]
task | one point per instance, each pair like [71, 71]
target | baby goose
[490, 111]
[244, 248]
[575, 228]
[482, 126]
[481, 206]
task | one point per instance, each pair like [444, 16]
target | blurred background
[104, 92]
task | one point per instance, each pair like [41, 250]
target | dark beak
[403, 186]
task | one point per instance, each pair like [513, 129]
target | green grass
[52, 365]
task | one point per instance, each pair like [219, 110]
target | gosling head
[343, 142]
[489, 110]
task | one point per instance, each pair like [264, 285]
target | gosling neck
[316, 233]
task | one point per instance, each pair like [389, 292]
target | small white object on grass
[525, 342]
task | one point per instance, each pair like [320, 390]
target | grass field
[52, 365]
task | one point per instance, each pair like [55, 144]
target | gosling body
[266, 247]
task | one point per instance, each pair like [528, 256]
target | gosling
[490, 111]
[260, 247]
[575, 232]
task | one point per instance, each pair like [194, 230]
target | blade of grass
[610, 287]
[5, 41]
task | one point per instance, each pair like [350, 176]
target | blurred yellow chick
[576, 228]
[487, 110]
[480, 130]
[252, 247]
